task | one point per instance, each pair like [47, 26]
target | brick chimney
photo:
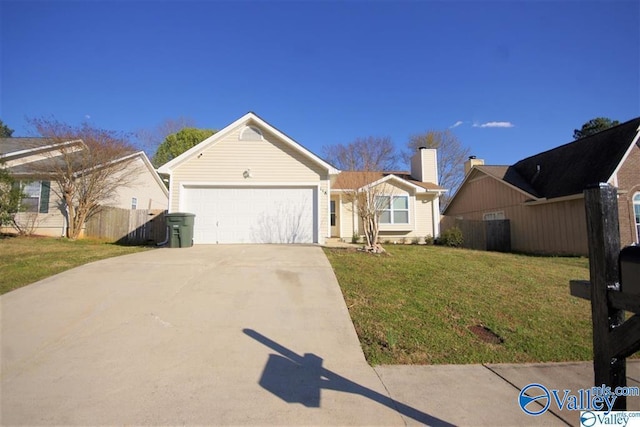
[473, 161]
[424, 165]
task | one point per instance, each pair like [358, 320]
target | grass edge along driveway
[437, 305]
[25, 260]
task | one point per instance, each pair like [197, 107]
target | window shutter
[45, 190]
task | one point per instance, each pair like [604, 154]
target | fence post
[603, 233]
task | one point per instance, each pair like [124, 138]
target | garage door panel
[252, 215]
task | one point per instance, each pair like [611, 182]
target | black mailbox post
[613, 288]
[630, 270]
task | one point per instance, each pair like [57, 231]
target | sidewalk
[487, 395]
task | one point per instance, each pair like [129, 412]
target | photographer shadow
[300, 379]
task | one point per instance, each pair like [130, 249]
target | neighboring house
[542, 195]
[44, 210]
[251, 183]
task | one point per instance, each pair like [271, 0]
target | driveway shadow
[300, 379]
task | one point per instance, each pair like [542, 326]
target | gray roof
[570, 168]
[12, 145]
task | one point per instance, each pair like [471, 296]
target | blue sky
[510, 78]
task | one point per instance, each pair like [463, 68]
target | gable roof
[570, 168]
[354, 180]
[247, 119]
[16, 148]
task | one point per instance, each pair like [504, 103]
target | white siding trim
[248, 183]
[626, 155]
[435, 216]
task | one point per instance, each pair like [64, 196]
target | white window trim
[636, 202]
[497, 216]
[23, 186]
[392, 210]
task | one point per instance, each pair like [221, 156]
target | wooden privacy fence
[492, 235]
[137, 226]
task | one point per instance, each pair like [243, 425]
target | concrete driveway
[202, 335]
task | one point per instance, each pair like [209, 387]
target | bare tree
[150, 139]
[363, 182]
[451, 157]
[369, 200]
[363, 154]
[84, 174]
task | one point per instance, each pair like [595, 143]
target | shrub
[355, 238]
[429, 240]
[451, 237]
[415, 240]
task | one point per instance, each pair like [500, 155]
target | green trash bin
[180, 229]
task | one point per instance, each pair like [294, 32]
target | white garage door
[252, 215]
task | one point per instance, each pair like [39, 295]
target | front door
[334, 219]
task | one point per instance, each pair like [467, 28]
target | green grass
[417, 306]
[24, 260]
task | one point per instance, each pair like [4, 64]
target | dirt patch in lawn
[486, 334]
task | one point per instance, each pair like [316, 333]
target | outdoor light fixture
[247, 174]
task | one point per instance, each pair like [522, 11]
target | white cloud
[87, 116]
[456, 124]
[494, 125]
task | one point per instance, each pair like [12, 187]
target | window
[493, 216]
[393, 209]
[134, 203]
[251, 133]
[36, 196]
[636, 209]
[333, 213]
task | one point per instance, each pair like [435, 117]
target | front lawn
[436, 305]
[24, 260]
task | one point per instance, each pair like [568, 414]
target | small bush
[429, 240]
[355, 238]
[451, 237]
[415, 240]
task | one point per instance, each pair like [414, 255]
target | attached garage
[251, 183]
[266, 214]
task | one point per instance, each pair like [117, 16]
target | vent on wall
[250, 133]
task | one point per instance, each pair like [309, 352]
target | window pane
[30, 204]
[32, 189]
[401, 217]
[385, 217]
[401, 202]
[382, 202]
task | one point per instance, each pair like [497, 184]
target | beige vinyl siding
[269, 160]
[143, 187]
[323, 211]
[347, 218]
[553, 228]
[424, 216]
[420, 217]
[51, 223]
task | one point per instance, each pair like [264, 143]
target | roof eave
[168, 167]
